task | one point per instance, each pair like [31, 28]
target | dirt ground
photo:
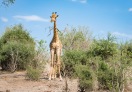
[17, 82]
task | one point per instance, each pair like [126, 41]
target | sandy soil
[17, 82]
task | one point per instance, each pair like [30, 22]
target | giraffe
[55, 51]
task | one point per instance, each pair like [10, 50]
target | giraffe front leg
[59, 72]
[53, 73]
[52, 57]
[55, 69]
[52, 63]
[50, 73]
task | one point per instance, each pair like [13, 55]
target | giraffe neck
[55, 37]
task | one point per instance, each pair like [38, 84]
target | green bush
[17, 48]
[126, 52]
[77, 65]
[72, 58]
[33, 73]
[36, 67]
[15, 56]
[105, 48]
[85, 77]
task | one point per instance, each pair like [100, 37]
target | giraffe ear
[52, 12]
[50, 17]
[57, 15]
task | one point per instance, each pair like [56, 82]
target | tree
[105, 47]
[76, 38]
[16, 48]
[7, 2]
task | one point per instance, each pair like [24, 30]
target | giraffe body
[55, 51]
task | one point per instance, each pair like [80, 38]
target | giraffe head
[54, 16]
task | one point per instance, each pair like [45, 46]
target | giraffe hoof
[49, 79]
[60, 79]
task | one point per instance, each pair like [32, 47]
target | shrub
[105, 48]
[33, 74]
[76, 38]
[36, 67]
[77, 65]
[85, 77]
[72, 58]
[16, 48]
[126, 52]
[15, 56]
